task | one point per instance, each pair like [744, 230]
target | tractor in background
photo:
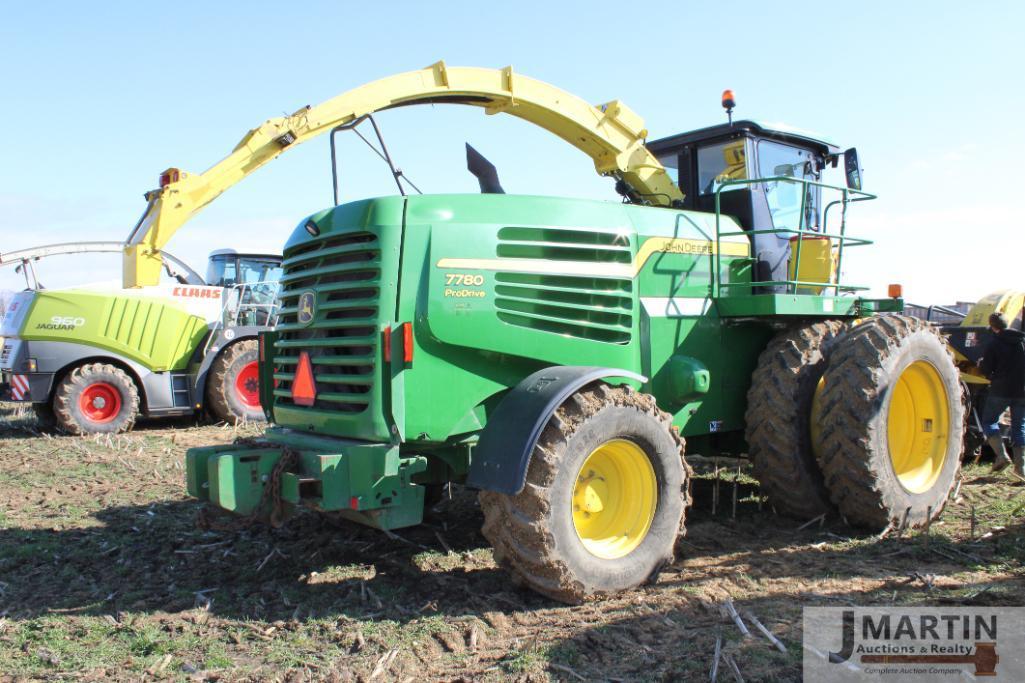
[93, 360]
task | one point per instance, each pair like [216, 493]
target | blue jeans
[995, 407]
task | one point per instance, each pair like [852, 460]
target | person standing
[1004, 364]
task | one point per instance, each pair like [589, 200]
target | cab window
[672, 163]
[786, 199]
[254, 271]
[220, 271]
[721, 162]
[259, 278]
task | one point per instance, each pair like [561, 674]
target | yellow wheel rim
[614, 499]
[918, 427]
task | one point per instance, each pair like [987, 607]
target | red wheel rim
[247, 384]
[100, 402]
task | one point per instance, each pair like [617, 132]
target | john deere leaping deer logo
[307, 305]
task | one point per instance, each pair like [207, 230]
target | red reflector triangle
[304, 388]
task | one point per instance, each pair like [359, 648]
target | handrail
[848, 196]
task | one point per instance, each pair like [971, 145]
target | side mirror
[852, 169]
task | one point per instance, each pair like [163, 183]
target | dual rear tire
[891, 434]
[779, 418]
[866, 420]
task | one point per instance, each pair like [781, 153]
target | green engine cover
[405, 320]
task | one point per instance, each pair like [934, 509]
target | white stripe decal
[540, 266]
[648, 249]
[19, 387]
[674, 307]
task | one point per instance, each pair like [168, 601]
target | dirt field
[104, 574]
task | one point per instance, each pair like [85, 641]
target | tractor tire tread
[218, 384]
[65, 395]
[851, 400]
[777, 419]
[514, 524]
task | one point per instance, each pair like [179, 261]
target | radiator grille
[344, 274]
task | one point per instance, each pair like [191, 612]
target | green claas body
[155, 330]
[555, 353]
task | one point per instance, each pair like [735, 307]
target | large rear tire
[96, 398]
[892, 423]
[604, 500]
[232, 387]
[778, 419]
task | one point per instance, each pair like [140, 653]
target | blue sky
[100, 100]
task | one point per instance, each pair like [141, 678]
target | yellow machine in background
[968, 341]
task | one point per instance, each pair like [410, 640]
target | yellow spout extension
[611, 134]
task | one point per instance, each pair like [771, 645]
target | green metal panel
[150, 331]
[231, 477]
[236, 478]
[495, 286]
[197, 481]
[500, 294]
[870, 306]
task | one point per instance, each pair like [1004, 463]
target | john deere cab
[739, 169]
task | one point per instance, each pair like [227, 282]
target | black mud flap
[502, 456]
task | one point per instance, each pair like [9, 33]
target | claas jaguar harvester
[93, 358]
[554, 353]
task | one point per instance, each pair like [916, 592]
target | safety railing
[793, 284]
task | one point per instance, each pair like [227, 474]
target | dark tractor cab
[702, 161]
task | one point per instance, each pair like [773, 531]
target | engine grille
[344, 274]
[589, 307]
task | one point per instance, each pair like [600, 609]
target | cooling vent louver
[589, 307]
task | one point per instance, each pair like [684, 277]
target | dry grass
[104, 575]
